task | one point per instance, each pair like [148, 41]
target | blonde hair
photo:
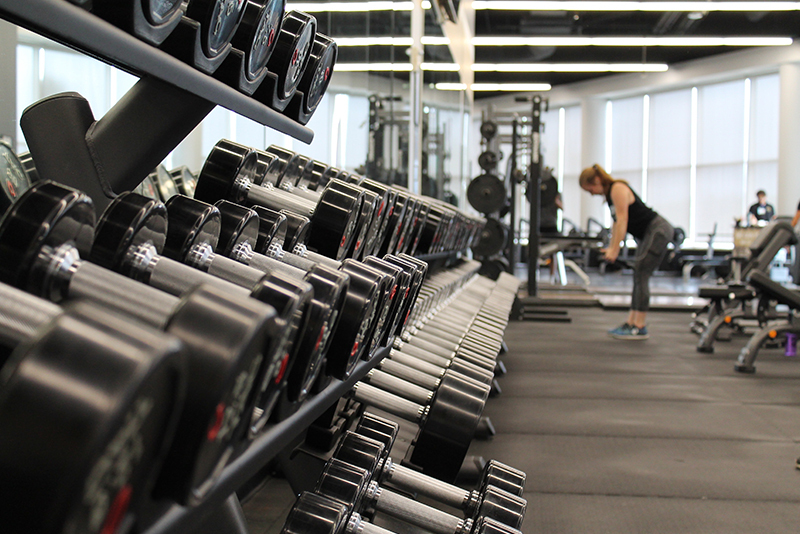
[589, 174]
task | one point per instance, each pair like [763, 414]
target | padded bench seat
[774, 290]
[725, 292]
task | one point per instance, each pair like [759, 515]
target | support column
[788, 140]
[415, 87]
[593, 150]
[8, 85]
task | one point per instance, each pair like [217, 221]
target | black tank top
[639, 215]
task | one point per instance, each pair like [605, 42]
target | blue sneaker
[630, 332]
[622, 329]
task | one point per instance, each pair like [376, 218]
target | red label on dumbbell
[118, 509]
[282, 368]
[219, 415]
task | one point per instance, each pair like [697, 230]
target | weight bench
[728, 304]
[788, 328]
[555, 245]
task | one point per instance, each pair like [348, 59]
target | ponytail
[589, 174]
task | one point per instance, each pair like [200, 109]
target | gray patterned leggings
[650, 252]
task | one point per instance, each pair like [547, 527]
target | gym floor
[635, 436]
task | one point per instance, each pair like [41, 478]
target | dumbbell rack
[186, 95]
[165, 77]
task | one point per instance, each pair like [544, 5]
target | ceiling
[497, 23]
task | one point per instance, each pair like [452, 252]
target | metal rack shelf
[76, 28]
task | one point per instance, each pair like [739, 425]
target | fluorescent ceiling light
[440, 67]
[631, 41]
[569, 67]
[494, 86]
[396, 67]
[634, 6]
[373, 67]
[389, 41]
[510, 86]
[450, 86]
[372, 41]
[353, 7]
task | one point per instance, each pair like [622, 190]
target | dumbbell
[355, 450]
[288, 61]
[130, 238]
[284, 169]
[229, 173]
[317, 513]
[203, 37]
[150, 21]
[41, 239]
[253, 43]
[447, 423]
[270, 251]
[356, 487]
[88, 408]
[190, 219]
[357, 307]
[315, 79]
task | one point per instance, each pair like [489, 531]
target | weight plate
[312, 177]
[290, 57]
[227, 360]
[287, 164]
[243, 230]
[158, 12]
[488, 129]
[389, 312]
[13, 179]
[492, 239]
[164, 183]
[330, 291]
[219, 20]
[317, 76]
[334, 220]
[292, 299]
[46, 215]
[297, 230]
[81, 458]
[191, 222]
[268, 168]
[184, 180]
[129, 221]
[256, 35]
[343, 482]
[488, 160]
[226, 164]
[487, 193]
[271, 229]
[316, 513]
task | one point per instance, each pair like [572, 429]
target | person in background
[796, 217]
[761, 210]
[652, 233]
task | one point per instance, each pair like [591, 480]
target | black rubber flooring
[648, 436]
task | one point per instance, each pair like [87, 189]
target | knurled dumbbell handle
[409, 373]
[275, 198]
[437, 490]
[176, 279]
[416, 513]
[372, 396]
[109, 288]
[21, 314]
[301, 250]
[400, 387]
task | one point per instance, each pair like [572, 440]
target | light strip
[373, 67]
[634, 6]
[631, 41]
[494, 86]
[389, 41]
[569, 67]
[396, 67]
[353, 7]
